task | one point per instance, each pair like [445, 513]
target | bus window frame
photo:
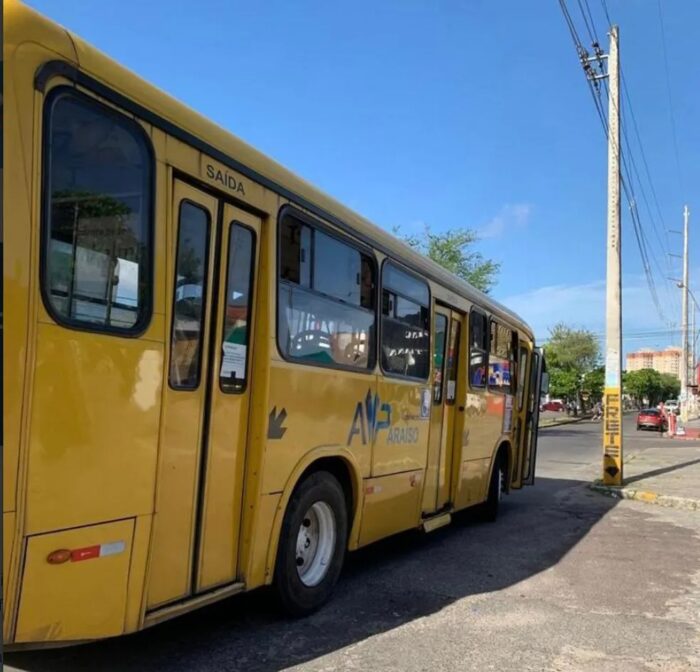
[404, 269]
[144, 322]
[293, 212]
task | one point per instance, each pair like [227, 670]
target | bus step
[436, 522]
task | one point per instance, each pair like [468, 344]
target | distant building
[663, 361]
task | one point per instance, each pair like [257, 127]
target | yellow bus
[215, 377]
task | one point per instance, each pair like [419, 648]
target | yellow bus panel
[79, 597]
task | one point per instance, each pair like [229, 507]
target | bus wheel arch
[498, 483]
[340, 465]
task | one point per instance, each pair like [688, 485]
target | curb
[670, 501]
[567, 421]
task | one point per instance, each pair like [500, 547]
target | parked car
[651, 418]
[672, 406]
[554, 405]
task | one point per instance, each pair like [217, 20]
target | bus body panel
[311, 407]
[82, 597]
[93, 436]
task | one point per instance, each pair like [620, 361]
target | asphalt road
[566, 579]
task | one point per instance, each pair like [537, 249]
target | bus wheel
[312, 544]
[496, 488]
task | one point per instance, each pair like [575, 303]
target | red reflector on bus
[86, 553]
[58, 557]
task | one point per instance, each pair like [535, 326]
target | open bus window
[98, 177]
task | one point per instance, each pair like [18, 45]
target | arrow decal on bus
[275, 422]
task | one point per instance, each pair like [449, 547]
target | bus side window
[98, 177]
[326, 311]
[501, 358]
[478, 349]
[405, 324]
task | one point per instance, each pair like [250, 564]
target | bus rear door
[206, 400]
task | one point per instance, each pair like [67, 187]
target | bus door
[532, 417]
[521, 408]
[205, 407]
[443, 425]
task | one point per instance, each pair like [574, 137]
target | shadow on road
[383, 586]
[662, 470]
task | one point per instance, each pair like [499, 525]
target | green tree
[645, 386]
[453, 250]
[572, 355]
[563, 383]
[670, 386]
[593, 384]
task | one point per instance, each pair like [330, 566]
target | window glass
[410, 312]
[452, 363]
[234, 355]
[336, 269]
[325, 316]
[189, 300]
[478, 351]
[501, 357]
[405, 326]
[98, 182]
[402, 283]
[477, 328]
[522, 370]
[439, 356]
[317, 329]
[295, 252]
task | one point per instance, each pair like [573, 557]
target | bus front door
[203, 434]
[533, 417]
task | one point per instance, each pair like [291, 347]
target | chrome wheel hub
[315, 543]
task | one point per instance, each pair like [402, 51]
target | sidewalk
[667, 474]
[692, 430]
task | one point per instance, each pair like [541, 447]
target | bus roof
[24, 24]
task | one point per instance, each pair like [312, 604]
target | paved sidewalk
[667, 473]
[691, 430]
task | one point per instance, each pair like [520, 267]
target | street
[566, 579]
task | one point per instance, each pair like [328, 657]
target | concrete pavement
[565, 580]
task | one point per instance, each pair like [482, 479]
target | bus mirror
[544, 385]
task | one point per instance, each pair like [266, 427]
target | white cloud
[515, 215]
[584, 306]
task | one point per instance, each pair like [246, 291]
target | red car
[553, 406]
[651, 418]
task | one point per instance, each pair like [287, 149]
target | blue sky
[450, 114]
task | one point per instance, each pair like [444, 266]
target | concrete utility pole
[692, 378]
[612, 427]
[684, 321]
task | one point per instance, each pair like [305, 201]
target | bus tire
[312, 544]
[496, 488]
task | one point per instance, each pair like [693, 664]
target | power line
[626, 177]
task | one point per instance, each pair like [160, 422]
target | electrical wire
[628, 166]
